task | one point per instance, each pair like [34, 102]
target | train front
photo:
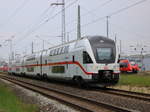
[106, 58]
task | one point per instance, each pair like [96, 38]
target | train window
[55, 51]
[73, 58]
[30, 59]
[45, 61]
[104, 54]
[66, 49]
[63, 50]
[30, 69]
[86, 58]
[17, 69]
[58, 51]
[123, 65]
[51, 53]
[58, 69]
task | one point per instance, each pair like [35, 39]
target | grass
[140, 79]
[9, 102]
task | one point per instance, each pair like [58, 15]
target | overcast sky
[25, 21]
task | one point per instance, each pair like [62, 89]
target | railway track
[76, 101]
[129, 94]
[124, 93]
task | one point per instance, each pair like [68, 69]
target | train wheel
[39, 76]
[134, 71]
[45, 76]
[80, 82]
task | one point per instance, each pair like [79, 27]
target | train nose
[106, 76]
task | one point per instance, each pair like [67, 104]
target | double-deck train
[88, 60]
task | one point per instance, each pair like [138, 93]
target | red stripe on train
[58, 63]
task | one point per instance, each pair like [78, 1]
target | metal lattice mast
[63, 33]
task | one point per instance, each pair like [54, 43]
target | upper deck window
[59, 51]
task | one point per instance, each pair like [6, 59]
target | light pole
[11, 48]
[107, 25]
[141, 56]
[45, 41]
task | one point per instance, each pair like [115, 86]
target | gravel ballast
[97, 95]
[44, 104]
[125, 102]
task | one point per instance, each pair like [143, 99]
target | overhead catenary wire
[18, 9]
[46, 21]
[41, 15]
[126, 8]
[90, 11]
[38, 20]
[111, 14]
[87, 13]
[128, 31]
[98, 19]
[37, 23]
[114, 13]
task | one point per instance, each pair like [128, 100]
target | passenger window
[30, 69]
[58, 69]
[66, 49]
[51, 52]
[55, 51]
[45, 61]
[86, 58]
[58, 52]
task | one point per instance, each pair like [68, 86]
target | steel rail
[129, 94]
[80, 102]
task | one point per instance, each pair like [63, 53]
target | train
[4, 68]
[128, 67]
[88, 60]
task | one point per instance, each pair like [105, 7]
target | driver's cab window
[86, 58]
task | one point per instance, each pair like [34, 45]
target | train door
[44, 62]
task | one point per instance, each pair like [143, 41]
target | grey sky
[23, 19]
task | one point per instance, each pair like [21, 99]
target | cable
[91, 11]
[128, 31]
[14, 13]
[35, 24]
[109, 15]
[88, 12]
[128, 7]
[50, 18]
[100, 6]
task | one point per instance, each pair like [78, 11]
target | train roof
[102, 38]
[92, 39]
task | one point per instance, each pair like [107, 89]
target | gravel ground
[137, 105]
[44, 104]
[133, 88]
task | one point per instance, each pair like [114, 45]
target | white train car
[91, 59]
